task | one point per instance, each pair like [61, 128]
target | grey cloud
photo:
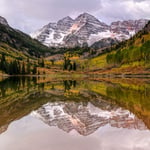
[124, 10]
[40, 12]
[29, 15]
[139, 0]
[45, 9]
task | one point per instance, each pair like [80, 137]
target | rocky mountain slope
[3, 21]
[85, 30]
[17, 41]
[131, 57]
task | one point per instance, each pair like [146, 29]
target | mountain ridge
[85, 30]
[21, 41]
[3, 21]
[130, 57]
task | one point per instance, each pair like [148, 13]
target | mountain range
[82, 31]
[85, 30]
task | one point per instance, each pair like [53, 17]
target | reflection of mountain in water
[83, 106]
[86, 118]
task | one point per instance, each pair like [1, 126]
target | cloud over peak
[28, 15]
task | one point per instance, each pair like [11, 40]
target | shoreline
[70, 74]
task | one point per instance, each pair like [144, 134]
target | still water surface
[74, 114]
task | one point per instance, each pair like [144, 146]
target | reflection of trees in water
[41, 86]
[31, 94]
[135, 100]
[10, 83]
[52, 87]
[16, 83]
[122, 94]
[68, 84]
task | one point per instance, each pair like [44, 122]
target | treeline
[74, 50]
[16, 67]
[127, 53]
[130, 54]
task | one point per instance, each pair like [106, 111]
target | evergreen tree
[42, 63]
[23, 69]
[28, 68]
[142, 40]
[70, 67]
[74, 66]
[34, 71]
[3, 63]
[52, 61]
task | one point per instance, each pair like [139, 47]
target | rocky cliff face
[104, 43]
[126, 29]
[86, 119]
[3, 21]
[85, 30]
[54, 33]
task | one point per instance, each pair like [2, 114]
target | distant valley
[81, 46]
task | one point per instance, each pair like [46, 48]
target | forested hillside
[131, 56]
[21, 42]
[135, 49]
[19, 53]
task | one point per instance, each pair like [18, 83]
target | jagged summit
[85, 14]
[3, 21]
[65, 23]
[51, 25]
[85, 17]
[85, 29]
[66, 19]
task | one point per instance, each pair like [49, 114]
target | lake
[91, 113]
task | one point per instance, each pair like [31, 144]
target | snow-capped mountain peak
[87, 18]
[66, 20]
[65, 23]
[85, 29]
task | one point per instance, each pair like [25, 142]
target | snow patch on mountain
[99, 36]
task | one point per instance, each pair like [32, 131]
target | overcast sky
[29, 15]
